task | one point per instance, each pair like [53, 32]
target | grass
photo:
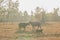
[9, 30]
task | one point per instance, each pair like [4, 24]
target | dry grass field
[8, 29]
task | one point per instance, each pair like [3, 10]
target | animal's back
[23, 24]
[35, 23]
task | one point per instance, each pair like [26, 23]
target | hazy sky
[29, 5]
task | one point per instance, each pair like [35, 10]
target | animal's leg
[40, 29]
[20, 29]
[39, 26]
[24, 29]
[34, 29]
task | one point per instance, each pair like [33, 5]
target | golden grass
[7, 30]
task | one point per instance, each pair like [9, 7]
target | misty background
[29, 10]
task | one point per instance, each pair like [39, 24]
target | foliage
[12, 14]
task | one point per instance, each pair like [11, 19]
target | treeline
[11, 13]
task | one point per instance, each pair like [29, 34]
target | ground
[8, 32]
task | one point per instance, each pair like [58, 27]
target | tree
[56, 13]
[32, 16]
[1, 2]
[38, 14]
[26, 16]
[49, 16]
[21, 14]
[16, 4]
[2, 14]
[12, 11]
[43, 16]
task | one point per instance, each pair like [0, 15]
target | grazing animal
[23, 25]
[34, 24]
